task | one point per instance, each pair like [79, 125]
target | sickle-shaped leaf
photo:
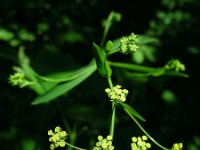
[130, 111]
[64, 87]
[101, 61]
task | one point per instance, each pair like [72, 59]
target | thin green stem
[112, 127]
[145, 69]
[75, 147]
[104, 35]
[147, 134]
[113, 51]
[110, 83]
[132, 67]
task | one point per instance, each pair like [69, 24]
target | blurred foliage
[57, 38]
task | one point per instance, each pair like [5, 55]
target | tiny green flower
[52, 147]
[117, 94]
[57, 129]
[109, 46]
[104, 143]
[177, 146]
[63, 133]
[144, 137]
[62, 144]
[109, 138]
[57, 138]
[175, 65]
[19, 79]
[128, 44]
[139, 143]
[50, 132]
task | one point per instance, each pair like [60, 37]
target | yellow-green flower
[139, 143]
[177, 146]
[104, 143]
[19, 79]
[57, 138]
[117, 94]
[175, 65]
[128, 44]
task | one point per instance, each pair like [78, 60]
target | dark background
[58, 36]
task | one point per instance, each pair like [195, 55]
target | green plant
[50, 87]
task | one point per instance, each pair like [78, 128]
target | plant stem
[110, 83]
[104, 36]
[75, 147]
[112, 127]
[132, 67]
[147, 134]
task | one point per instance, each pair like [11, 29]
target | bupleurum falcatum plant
[50, 88]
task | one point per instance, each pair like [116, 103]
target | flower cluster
[19, 79]
[177, 146]
[57, 138]
[117, 94]
[176, 65]
[139, 143]
[128, 44]
[104, 143]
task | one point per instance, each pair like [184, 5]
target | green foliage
[130, 111]
[48, 45]
[62, 88]
[5, 34]
[101, 61]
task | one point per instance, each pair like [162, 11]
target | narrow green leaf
[29, 72]
[129, 110]
[112, 17]
[178, 74]
[100, 58]
[147, 71]
[64, 87]
[144, 39]
[158, 72]
[101, 61]
[132, 67]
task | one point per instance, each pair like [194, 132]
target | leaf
[178, 74]
[51, 80]
[25, 35]
[144, 39]
[168, 96]
[101, 61]
[147, 71]
[29, 72]
[129, 110]
[5, 35]
[158, 72]
[65, 87]
[149, 52]
[133, 67]
[138, 57]
[28, 144]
